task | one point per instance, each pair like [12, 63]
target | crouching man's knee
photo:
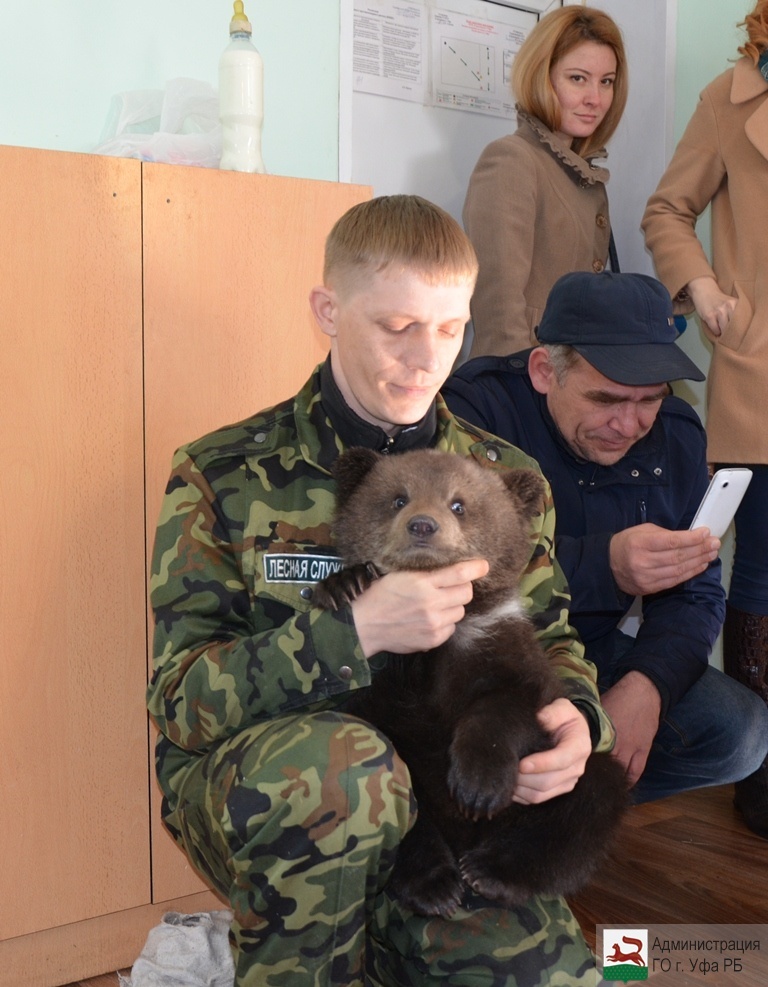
[303, 794]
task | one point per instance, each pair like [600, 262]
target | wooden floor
[688, 859]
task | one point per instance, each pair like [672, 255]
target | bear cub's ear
[527, 486]
[350, 469]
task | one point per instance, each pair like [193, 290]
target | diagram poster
[457, 55]
[471, 59]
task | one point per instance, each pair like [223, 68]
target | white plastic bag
[178, 125]
[186, 951]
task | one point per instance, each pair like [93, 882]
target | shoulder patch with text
[293, 567]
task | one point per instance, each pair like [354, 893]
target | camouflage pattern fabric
[297, 821]
[539, 945]
[290, 809]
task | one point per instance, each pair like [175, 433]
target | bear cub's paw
[426, 876]
[342, 588]
[482, 774]
[435, 891]
[477, 870]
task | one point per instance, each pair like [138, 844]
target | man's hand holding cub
[409, 611]
[549, 773]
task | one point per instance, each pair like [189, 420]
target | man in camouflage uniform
[292, 810]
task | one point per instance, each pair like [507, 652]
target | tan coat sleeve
[692, 178]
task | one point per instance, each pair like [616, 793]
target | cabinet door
[229, 260]
[73, 772]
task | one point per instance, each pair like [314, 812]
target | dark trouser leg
[745, 635]
[716, 734]
[745, 658]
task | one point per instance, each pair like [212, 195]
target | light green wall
[60, 64]
[707, 38]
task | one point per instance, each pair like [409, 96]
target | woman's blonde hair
[401, 230]
[552, 38]
[756, 24]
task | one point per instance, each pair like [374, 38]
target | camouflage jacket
[244, 532]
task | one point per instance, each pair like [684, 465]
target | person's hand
[712, 305]
[404, 612]
[649, 559]
[545, 774]
[634, 706]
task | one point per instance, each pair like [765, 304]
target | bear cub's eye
[400, 502]
[457, 507]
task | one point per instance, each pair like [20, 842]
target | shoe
[751, 799]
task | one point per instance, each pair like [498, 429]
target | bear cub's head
[426, 509]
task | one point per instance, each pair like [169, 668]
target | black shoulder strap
[612, 255]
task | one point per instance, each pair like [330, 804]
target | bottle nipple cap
[239, 23]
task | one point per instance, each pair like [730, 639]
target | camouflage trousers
[297, 822]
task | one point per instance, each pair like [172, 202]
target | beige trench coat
[534, 210]
[723, 157]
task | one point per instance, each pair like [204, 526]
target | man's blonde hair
[400, 231]
[552, 38]
[756, 24]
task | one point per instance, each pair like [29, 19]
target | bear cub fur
[462, 715]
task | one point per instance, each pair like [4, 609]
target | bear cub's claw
[435, 891]
[482, 774]
[477, 871]
[341, 588]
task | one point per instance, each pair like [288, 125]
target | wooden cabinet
[142, 305]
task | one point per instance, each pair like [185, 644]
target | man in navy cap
[626, 461]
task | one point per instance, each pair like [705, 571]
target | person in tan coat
[722, 159]
[536, 207]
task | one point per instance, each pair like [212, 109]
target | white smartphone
[722, 497]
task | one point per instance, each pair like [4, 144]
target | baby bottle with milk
[241, 98]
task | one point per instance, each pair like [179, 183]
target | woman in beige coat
[722, 158]
[536, 207]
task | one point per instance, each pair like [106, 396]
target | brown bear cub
[463, 715]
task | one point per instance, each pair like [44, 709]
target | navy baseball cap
[620, 323]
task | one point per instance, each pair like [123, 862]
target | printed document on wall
[472, 57]
[390, 50]
[456, 55]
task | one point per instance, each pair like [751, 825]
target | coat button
[345, 672]
[492, 454]
[598, 266]
[601, 220]
[305, 592]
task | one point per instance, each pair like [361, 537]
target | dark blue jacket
[661, 480]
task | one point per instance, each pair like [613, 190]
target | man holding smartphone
[627, 464]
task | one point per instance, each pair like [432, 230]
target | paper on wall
[457, 55]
